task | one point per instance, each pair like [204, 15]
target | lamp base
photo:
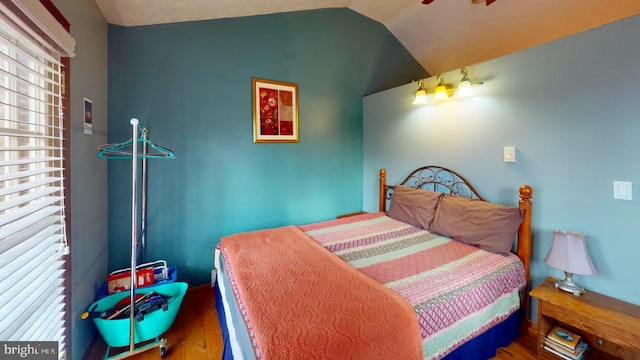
[568, 285]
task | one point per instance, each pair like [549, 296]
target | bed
[381, 285]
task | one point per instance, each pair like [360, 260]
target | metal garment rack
[118, 151]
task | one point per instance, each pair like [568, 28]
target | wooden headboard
[437, 178]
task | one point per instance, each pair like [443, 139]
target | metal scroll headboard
[437, 178]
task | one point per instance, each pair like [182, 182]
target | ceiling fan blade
[487, 2]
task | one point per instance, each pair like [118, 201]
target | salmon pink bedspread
[457, 291]
[299, 301]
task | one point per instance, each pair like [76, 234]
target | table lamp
[569, 254]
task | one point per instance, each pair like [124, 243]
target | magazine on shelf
[565, 356]
[560, 345]
[564, 337]
[576, 354]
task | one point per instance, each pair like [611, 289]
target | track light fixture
[444, 91]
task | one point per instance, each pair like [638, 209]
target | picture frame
[275, 111]
[88, 116]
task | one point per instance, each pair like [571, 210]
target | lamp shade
[569, 253]
[464, 89]
[421, 97]
[440, 92]
[421, 94]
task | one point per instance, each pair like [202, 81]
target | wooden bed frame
[437, 178]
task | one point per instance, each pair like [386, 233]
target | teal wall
[190, 83]
[571, 108]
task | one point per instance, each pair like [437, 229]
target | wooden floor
[522, 349]
[196, 335]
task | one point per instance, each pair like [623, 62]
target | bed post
[524, 247]
[382, 202]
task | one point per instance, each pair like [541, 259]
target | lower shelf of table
[592, 354]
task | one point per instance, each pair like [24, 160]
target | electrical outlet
[509, 154]
[622, 190]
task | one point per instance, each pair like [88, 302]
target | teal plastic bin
[116, 332]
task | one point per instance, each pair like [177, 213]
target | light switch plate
[622, 190]
[509, 154]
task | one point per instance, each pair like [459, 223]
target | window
[32, 204]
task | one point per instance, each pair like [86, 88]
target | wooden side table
[611, 327]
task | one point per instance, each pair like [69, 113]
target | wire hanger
[124, 150]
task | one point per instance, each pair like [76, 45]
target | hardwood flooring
[196, 335]
[522, 349]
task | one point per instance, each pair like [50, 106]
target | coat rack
[129, 150]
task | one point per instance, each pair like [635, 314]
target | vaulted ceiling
[442, 36]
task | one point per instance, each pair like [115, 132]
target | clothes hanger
[123, 150]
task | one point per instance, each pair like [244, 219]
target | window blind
[32, 212]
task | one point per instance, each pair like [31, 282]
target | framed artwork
[275, 111]
[88, 116]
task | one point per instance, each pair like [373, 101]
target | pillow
[414, 206]
[488, 226]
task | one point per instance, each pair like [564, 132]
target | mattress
[457, 291]
[236, 336]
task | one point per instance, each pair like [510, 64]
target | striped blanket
[457, 291]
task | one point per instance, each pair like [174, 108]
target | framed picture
[275, 111]
[88, 116]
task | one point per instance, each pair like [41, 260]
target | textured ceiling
[442, 36]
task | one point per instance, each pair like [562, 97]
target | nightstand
[611, 327]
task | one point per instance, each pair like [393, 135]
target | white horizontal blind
[32, 231]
